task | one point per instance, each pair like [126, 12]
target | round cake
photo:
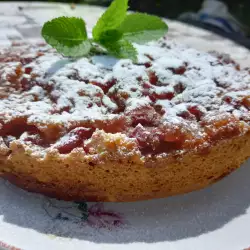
[107, 129]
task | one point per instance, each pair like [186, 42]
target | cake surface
[104, 129]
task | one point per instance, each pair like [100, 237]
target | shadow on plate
[168, 219]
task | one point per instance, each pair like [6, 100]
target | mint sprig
[110, 36]
[142, 28]
[122, 49]
[113, 33]
[68, 35]
[111, 19]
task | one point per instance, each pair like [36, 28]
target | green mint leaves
[122, 49]
[68, 35]
[142, 28]
[111, 19]
[114, 32]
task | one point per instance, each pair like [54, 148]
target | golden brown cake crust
[125, 181]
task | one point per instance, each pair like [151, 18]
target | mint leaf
[110, 36]
[142, 28]
[111, 19]
[122, 49]
[67, 35]
[114, 33]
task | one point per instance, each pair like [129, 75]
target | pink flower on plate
[101, 218]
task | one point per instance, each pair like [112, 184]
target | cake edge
[72, 179]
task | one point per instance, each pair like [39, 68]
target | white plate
[214, 218]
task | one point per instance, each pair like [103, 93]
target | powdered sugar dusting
[170, 85]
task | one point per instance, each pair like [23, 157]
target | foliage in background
[173, 8]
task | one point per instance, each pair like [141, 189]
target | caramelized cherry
[73, 139]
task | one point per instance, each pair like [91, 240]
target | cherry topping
[155, 140]
[146, 85]
[73, 139]
[185, 115]
[105, 86]
[61, 110]
[147, 64]
[143, 115]
[179, 71]
[227, 99]
[26, 60]
[120, 99]
[179, 88]
[145, 123]
[153, 78]
[90, 105]
[27, 70]
[26, 84]
[17, 127]
[168, 95]
[194, 110]
[147, 140]
[36, 139]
